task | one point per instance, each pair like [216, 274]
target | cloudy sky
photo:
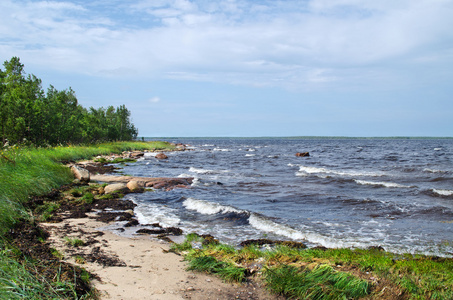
[246, 68]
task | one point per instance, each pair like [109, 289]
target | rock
[80, 173]
[116, 187]
[129, 211]
[303, 154]
[134, 186]
[136, 154]
[161, 156]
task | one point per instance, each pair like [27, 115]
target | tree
[29, 115]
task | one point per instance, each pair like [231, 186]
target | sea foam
[304, 170]
[381, 183]
[209, 208]
[443, 192]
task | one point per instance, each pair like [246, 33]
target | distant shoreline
[301, 138]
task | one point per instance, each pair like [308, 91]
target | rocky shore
[137, 267]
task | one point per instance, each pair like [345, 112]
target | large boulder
[134, 186]
[116, 188]
[161, 156]
[303, 154]
[80, 173]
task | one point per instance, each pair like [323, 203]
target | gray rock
[80, 173]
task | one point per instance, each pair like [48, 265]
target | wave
[443, 192]
[434, 171]
[381, 183]
[206, 171]
[150, 154]
[264, 224]
[304, 171]
[210, 208]
[221, 149]
[149, 214]
[250, 155]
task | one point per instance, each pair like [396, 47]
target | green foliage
[88, 198]
[17, 282]
[46, 210]
[323, 282]
[209, 264]
[322, 273]
[28, 115]
[74, 242]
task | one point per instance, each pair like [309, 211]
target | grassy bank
[324, 273]
[27, 172]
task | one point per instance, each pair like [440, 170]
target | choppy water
[394, 193]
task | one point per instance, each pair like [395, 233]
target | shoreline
[137, 267]
[140, 267]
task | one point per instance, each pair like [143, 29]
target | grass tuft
[323, 282]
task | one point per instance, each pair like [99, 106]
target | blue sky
[246, 68]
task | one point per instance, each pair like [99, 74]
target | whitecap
[381, 183]
[250, 155]
[221, 149]
[209, 208]
[148, 214]
[206, 171]
[316, 170]
[433, 171]
[443, 192]
[266, 225]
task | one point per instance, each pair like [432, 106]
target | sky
[246, 68]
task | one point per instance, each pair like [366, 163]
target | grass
[326, 273]
[321, 282]
[28, 172]
[17, 282]
[74, 242]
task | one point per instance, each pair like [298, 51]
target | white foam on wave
[304, 170]
[206, 171]
[209, 208]
[149, 214]
[381, 183]
[266, 225]
[433, 171]
[443, 192]
[250, 155]
[221, 149]
[150, 154]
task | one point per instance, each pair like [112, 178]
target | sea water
[393, 193]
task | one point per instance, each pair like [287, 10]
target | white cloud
[154, 100]
[278, 43]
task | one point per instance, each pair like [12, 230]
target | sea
[394, 193]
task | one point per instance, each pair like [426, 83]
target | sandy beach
[139, 267]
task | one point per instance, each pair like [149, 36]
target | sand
[139, 267]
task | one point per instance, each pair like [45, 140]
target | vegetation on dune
[325, 273]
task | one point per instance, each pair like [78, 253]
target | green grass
[226, 271]
[74, 242]
[17, 282]
[326, 274]
[322, 282]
